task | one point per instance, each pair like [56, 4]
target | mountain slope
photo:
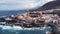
[48, 6]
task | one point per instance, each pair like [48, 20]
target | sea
[11, 12]
[21, 30]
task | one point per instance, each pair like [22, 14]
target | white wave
[1, 26]
[17, 28]
[6, 27]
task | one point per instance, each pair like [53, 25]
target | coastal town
[41, 20]
[35, 19]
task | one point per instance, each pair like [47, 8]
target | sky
[21, 4]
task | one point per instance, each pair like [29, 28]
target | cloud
[21, 4]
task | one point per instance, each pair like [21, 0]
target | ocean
[10, 12]
[20, 30]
